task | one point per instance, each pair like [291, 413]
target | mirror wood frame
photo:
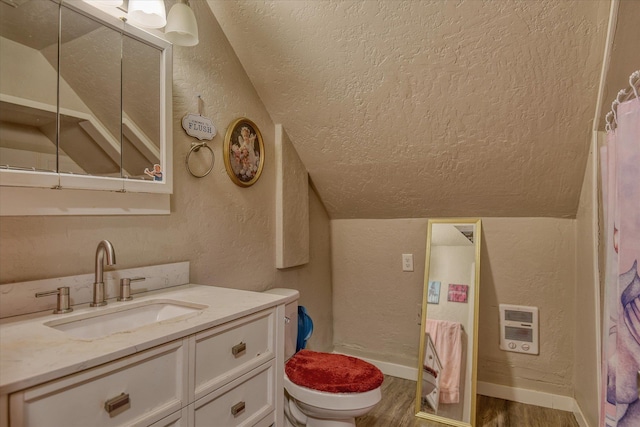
[476, 298]
[29, 193]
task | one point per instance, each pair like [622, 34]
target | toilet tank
[291, 319]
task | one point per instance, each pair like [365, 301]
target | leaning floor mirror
[447, 363]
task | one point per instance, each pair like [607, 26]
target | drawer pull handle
[237, 408]
[238, 348]
[117, 404]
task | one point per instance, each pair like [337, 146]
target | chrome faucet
[104, 248]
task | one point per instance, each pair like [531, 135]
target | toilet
[323, 389]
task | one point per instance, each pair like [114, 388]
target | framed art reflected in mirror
[446, 388]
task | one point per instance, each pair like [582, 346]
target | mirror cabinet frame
[473, 352]
[24, 192]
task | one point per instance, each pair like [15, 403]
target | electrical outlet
[407, 262]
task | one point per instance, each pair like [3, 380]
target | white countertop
[32, 353]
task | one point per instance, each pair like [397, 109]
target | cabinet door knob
[116, 405]
[238, 348]
[237, 408]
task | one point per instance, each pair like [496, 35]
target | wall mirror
[446, 388]
[85, 100]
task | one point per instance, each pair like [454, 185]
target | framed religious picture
[243, 152]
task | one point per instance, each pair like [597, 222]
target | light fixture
[112, 3]
[147, 13]
[182, 27]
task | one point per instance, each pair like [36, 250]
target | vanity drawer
[246, 401]
[177, 419]
[154, 380]
[230, 350]
[431, 358]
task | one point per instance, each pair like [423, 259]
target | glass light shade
[147, 13]
[182, 27]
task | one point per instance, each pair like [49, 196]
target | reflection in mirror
[28, 87]
[448, 341]
[83, 95]
[90, 102]
[140, 107]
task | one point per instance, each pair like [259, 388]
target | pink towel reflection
[447, 338]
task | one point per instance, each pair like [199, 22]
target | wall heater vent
[519, 329]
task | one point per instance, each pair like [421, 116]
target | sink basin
[125, 318]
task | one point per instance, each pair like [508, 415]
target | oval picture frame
[243, 152]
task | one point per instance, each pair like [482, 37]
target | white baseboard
[388, 368]
[521, 395]
[532, 397]
[582, 421]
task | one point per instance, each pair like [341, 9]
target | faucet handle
[125, 287]
[63, 299]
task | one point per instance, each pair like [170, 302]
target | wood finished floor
[396, 410]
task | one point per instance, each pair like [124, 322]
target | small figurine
[156, 173]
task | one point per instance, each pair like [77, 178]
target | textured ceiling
[429, 108]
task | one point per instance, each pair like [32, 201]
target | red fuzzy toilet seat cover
[333, 373]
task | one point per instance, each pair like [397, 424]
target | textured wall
[375, 303]
[226, 232]
[292, 204]
[586, 296]
[529, 261]
[452, 265]
[526, 261]
[313, 280]
[623, 57]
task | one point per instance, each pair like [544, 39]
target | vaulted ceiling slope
[429, 108]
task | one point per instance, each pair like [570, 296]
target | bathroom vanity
[216, 360]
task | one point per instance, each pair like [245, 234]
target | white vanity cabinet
[223, 376]
[149, 385]
[432, 360]
[238, 388]
[177, 419]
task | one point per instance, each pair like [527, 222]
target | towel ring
[191, 164]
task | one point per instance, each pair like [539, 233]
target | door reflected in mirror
[446, 386]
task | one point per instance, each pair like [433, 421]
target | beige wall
[313, 280]
[375, 303]
[525, 261]
[226, 232]
[586, 333]
[452, 264]
[528, 261]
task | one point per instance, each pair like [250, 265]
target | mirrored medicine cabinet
[85, 110]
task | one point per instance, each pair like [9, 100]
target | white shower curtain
[620, 161]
